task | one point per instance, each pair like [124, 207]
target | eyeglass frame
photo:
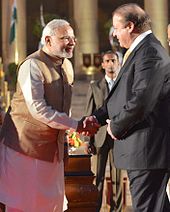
[68, 38]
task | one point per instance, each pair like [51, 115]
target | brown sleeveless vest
[25, 134]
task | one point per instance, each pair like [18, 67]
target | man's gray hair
[50, 28]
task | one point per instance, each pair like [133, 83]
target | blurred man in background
[102, 144]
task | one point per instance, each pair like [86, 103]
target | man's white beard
[65, 54]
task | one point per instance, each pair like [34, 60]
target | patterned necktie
[126, 56]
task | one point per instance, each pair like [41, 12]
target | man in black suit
[102, 144]
[138, 109]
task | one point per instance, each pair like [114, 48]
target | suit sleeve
[145, 92]
[90, 106]
[102, 114]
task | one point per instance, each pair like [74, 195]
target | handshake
[88, 126]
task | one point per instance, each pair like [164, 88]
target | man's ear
[131, 26]
[102, 65]
[47, 40]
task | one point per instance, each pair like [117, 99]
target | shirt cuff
[74, 125]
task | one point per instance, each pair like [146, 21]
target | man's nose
[72, 40]
[111, 62]
[114, 33]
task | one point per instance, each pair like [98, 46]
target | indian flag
[13, 21]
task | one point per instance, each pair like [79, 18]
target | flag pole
[42, 16]
[42, 22]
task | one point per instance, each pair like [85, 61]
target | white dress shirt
[139, 39]
[110, 82]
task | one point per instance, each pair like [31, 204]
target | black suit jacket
[140, 114]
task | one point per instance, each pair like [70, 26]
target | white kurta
[26, 183]
[29, 184]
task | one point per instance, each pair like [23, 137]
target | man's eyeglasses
[68, 39]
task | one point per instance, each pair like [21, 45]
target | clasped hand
[88, 126]
[109, 129]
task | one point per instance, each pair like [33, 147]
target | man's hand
[91, 125]
[109, 129]
[88, 126]
[91, 149]
[90, 120]
[80, 126]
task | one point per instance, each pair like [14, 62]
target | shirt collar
[139, 39]
[108, 79]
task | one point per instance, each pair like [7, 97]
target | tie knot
[126, 56]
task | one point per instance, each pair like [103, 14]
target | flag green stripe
[13, 24]
[12, 33]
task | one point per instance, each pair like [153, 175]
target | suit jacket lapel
[131, 56]
[103, 85]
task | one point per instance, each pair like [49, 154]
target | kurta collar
[56, 60]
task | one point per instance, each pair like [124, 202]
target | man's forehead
[109, 56]
[117, 19]
[64, 29]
